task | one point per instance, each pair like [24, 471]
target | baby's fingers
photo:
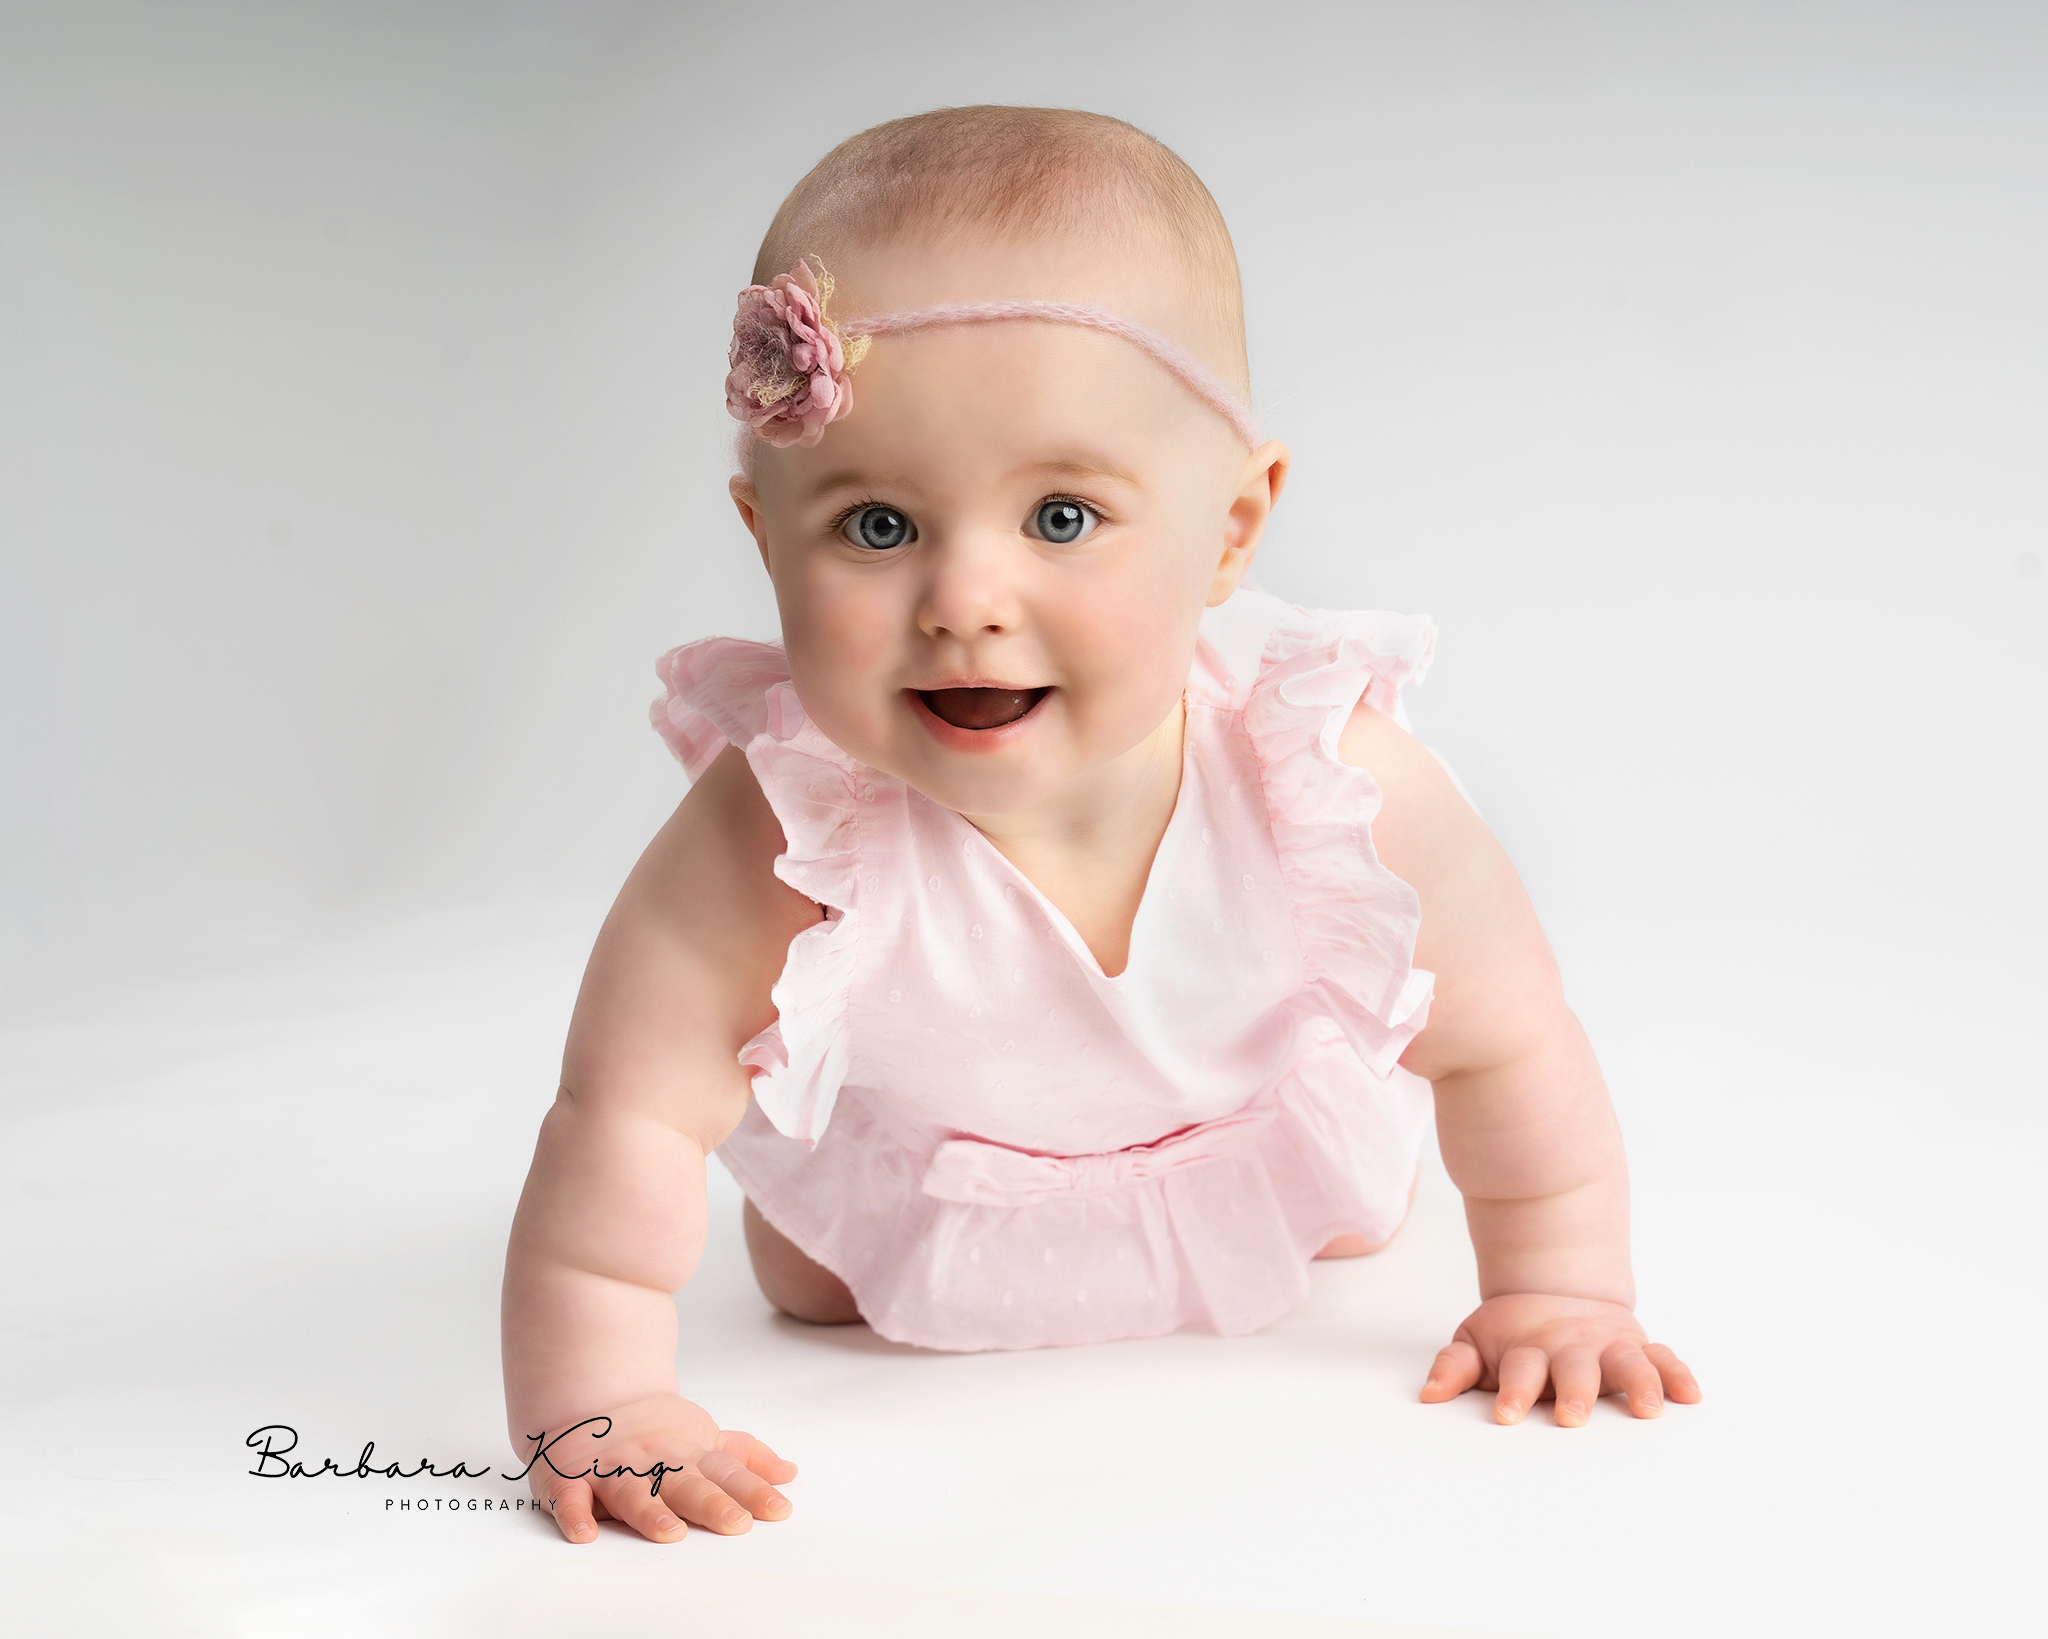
[1524, 1370]
[757, 1456]
[1678, 1380]
[627, 1498]
[1628, 1370]
[744, 1486]
[1575, 1381]
[572, 1511]
[707, 1502]
[1456, 1369]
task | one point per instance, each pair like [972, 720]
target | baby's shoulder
[1396, 760]
[706, 887]
[730, 823]
[1425, 827]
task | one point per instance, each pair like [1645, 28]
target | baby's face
[991, 571]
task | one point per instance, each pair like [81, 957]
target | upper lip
[978, 683]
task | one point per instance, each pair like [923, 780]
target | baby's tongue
[980, 708]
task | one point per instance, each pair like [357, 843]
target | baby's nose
[970, 589]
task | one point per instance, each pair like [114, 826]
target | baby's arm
[612, 1219]
[1523, 1117]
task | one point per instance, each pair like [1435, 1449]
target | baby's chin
[1001, 770]
[990, 786]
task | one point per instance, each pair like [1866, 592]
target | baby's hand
[1576, 1348]
[689, 1470]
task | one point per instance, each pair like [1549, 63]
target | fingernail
[1575, 1408]
[1507, 1414]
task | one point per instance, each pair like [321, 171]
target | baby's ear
[744, 496]
[1265, 475]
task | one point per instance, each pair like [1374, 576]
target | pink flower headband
[791, 365]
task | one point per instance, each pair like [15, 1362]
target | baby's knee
[1357, 1246]
[800, 1287]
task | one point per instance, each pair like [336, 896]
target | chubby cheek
[840, 628]
[1127, 645]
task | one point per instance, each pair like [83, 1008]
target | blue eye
[879, 528]
[1062, 522]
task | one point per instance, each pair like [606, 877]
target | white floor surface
[280, 1195]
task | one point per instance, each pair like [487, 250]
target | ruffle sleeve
[724, 691]
[1355, 921]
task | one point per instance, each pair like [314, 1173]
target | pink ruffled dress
[997, 1146]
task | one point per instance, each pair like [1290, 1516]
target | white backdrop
[362, 436]
[362, 442]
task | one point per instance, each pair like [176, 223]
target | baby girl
[1062, 940]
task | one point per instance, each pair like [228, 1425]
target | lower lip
[973, 740]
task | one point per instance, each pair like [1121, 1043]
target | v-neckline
[1059, 918]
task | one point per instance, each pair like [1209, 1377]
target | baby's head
[1026, 515]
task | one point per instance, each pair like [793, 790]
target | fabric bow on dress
[984, 1174]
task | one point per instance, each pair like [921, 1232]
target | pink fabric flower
[789, 369]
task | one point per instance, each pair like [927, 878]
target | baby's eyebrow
[1074, 468]
[839, 480]
[1064, 467]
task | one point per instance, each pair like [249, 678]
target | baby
[1061, 940]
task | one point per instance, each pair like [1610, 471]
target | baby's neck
[1089, 847]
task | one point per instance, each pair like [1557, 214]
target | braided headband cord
[1181, 364]
[791, 365]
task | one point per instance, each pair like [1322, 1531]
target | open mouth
[980, 708]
